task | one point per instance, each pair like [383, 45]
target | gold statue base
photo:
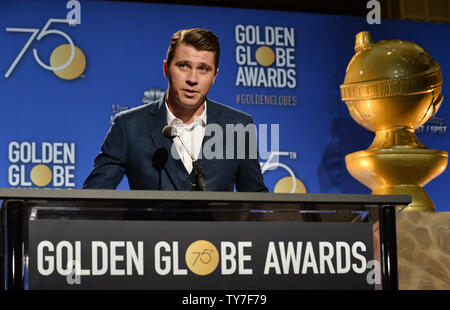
[420, 199]
[399, 170]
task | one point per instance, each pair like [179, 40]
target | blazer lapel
[157, 122]
[212, 117]
[173, 167]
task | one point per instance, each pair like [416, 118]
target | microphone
[170, 132]
[159, 160]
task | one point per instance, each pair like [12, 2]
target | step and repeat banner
[67, 67]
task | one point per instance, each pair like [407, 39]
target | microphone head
[169, 131]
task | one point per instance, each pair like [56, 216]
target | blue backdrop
[52, 128]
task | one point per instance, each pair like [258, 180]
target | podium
[162, 240]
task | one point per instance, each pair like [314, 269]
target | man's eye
[182, 66]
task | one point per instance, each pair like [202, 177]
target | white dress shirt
[191, 134]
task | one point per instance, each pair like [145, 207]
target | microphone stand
[199, 176]
[198, 171]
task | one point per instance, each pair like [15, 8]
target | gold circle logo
[265, 56]
[285, 186]
[202, 257]
[61, 55]
[41, 175]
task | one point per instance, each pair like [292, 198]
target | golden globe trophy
[392, 88]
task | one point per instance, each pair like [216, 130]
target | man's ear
[166, 69]
[217, 71]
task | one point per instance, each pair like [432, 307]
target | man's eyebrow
[205, 65]
[190, 63]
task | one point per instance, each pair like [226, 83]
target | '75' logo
[67, 61]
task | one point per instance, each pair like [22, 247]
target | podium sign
[156, 240]
[199, 255]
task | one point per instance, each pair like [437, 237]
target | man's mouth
[189, 92]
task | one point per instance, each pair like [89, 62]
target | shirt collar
[173, 120]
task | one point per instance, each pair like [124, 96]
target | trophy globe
[391, 88]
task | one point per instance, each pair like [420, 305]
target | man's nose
[192, 78]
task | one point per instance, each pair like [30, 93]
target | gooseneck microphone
[170, 132]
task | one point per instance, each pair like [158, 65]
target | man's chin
[191, 103]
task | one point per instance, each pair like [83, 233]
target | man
[135, 145]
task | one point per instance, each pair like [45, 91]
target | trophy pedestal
[399, 170]
[420, 199]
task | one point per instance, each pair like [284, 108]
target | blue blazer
[136, 147]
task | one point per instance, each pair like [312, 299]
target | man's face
[191, 74]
